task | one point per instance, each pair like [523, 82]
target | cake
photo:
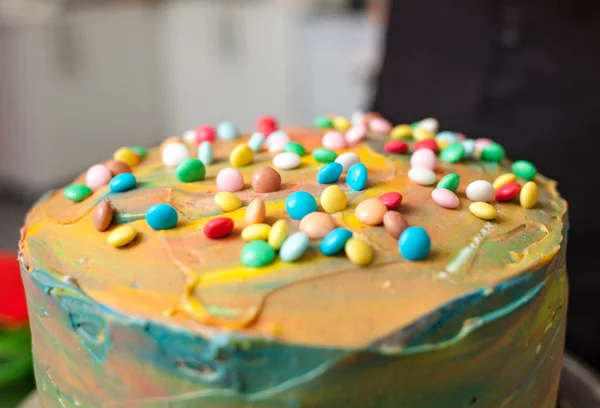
[158, 279]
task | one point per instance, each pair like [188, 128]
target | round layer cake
[142, 295]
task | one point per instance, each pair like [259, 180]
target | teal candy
[414, 244]
[334, 242]
[256, 141]
[357, 177]
[329, 173]
[447, 136]
[294, 247]
[161, 217]
[493, 152]
[453, 153]
[77, 192]
[449, 182]
[205, 153]
[257, 253]
[227, 131]
[469, 145]
[524, 169]
[299, 204]
[122, 182]
[323, 155]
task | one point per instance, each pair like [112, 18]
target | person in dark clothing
[526, 74]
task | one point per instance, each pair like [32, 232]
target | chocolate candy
[266, 180]
[103, 215]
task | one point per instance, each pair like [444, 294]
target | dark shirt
[526, 74]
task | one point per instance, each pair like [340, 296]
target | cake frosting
[175, 319]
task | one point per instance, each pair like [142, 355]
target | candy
[391, 199]
[329, 173]
[140, 151]
[483, 210]
[334, 140]
[524, 169]
[256, 141]
[469, 145]
[529, 195]
[480, 190]
[335, 241]
[286, 161]
[422, 134]
[117, 167]
[358, 118]
[103, 215]
[218, 228]
[356, 134]
[205, 133]
[323, 122]
[347, 160]
[317, 224]
[358, 251]
[394, 223]
[401, 132]
[508, 191]
[423, 158]
[256, 232]
[395, 146]
[161, 217]
[97, 176]
[256, 254]
[266, 180]
[380, 126]
[414, 244]
[230, 180]
[341, 124]
[256, 211]
[447, 136]
[242, 155]
[294, 147]
[504, 179]
[276, 141]
[422, 176]
[429, 124]
[174, 154]
[168, 141]
[493, 152]
[323, 155]
[426, 144]
[266, 125]
[122, 182]
[333, 199]
[299, 204]
[445, 198]
[481, 143]
[357, 177]
[77, 192]
[294, 247]
[189, 136]
[278, 234]
[205, 153]
[121, 236]
[126, 155]
[370, 211]
[190, 170]
[450, 182]
[453, 153]
[227, 201]
[227, 131]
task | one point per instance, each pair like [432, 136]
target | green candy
[493, 152]
[293, 147]
[77, 192]
[453, 153]
[449, 182]
[190, 170]
[524, 169]
[323, 155]
[139, 150]
[323, 122]
[257, 253]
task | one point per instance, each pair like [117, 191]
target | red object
[508, 191]
[391, 200]
[430, 144]
[266, 125]
[396, 146]
[206, 133]
[13, 307]
[218, 228]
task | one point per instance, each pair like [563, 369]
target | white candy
[430, 124]
[480, 190]
[174, 154]
[189, 136]
[422, 176]
[347, 159]
[205, 153]
[286, 161]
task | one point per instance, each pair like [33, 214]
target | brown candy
[118, 167]
[317, 225]
[103, 215]
[394, 223]
[266, 180]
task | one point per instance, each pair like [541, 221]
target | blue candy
[256, 141]
[294, 247]
[205, 153]
[122, 182]
[334, 241]
[414, 244]
[330, 173]
[357, 177]
[227, 131]
[161, 217]
[299, 204]
[447, 136]
[469, 146]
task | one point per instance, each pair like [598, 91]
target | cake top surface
[188, 276]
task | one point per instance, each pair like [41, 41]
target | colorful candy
[481, 143]
[357, 177]
[469, 145]
[414, 244]
[174, 154]
[323, 155]
[508, 191]
[323, 122]
[447, 137]
[128, 156]
[299, 204]
[422, 134]
[480, 190]
[140, 151]
[333, 199]
[529, 195]
[256, 211]
[205, 153]
[335, 241]
[218, 227]
[396, 147]
[380, 126]
[227, 201]
[294, 147]
[77, 192]
[341, 124]
[391, 199]
[161, 217]
[97, 176]
[242, 155]
[276, 141]
[524, 169]
[266, 125]
[422, 176]
[256, 232]
[453, 153]
[445, 198]
[356, 134]
[117, 167]
[256, 254]
[294, 247]
[333, 139]
[122, 182]
[230, 180]
[278, 234]
[401, 132]
[190, 170]
[493, 152]
[358, 251]
[423, 158]
[394, 223]
[266, 180]
[286, 161]
[121, 236]
[103, 215]
[483, 210]
[371, 211]
[426, 144]
[256, 142]
[205, 133]
[329, 173]
[227, 131]
[317, 224]
[450, 182]
[504, 179]
[347, 160]
[429, 124]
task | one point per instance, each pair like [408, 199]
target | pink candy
[230, 180]
[380, 125]
[423, 158]
[334, 140]
[445, 198]
[97, 176]
[481, 143]
[356, 134]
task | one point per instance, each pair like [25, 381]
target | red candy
[430, 144]
[205, 134]
[391, 200]
[396, 146]
[508, 191]
[266, 125]
[218, 228]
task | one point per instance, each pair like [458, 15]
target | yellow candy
[227, 201]
[126, 155]
[256, 232]
[358, 251]
[401, 132]
[341, 124]
[121, 236]
[504, 179]
[529, 195]
[422, 134]
[241, 156]
[483, 210]
[333, 199]
[278, 234]
[442, 144]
